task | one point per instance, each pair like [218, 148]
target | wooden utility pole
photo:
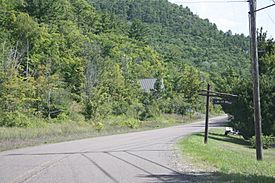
[207, 114]
[256, 80]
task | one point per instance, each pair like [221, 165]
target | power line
[272, 20]
[265, 7]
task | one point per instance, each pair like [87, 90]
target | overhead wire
[272, 20]
[229, 1]
[265, 7]
[268, 15]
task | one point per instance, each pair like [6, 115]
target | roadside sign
[221, 101]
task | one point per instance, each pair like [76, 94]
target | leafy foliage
[179, 35]
[242, 109]
[63, 59]
[267, 141]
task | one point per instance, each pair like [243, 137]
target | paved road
[135, 157]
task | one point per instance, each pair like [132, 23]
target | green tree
[242, 107]
[138, 30]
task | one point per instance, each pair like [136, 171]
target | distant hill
[181, 36]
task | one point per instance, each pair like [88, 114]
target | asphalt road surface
[147, 156]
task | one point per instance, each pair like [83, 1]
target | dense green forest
[181, 36]
[242, 107]
[80, 60]
[63, 60]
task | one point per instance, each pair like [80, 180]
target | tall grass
[11, 138]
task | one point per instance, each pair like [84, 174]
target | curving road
[147, 156]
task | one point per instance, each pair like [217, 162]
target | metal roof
[148, 84]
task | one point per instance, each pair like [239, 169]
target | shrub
[266, 140]
[135, 110]
[119, 107]
[130, 122]
[14, 119]
[62, 117]
[98, 126]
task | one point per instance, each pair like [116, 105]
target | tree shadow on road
[207, 177]
[173, 176]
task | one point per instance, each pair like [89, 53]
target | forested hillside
[62, 60]
[80, 60]
[179, 35]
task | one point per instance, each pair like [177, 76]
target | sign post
[222, 101]
[207, 115]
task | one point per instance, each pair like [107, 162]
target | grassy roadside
[12, 138]
[231, 156]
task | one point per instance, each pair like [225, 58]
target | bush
[135, 110]
[98, 126]
[130, 122]
[62, 117]
[119, 107]
[266, 140]
[14, 119]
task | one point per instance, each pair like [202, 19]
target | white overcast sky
[233, 16]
